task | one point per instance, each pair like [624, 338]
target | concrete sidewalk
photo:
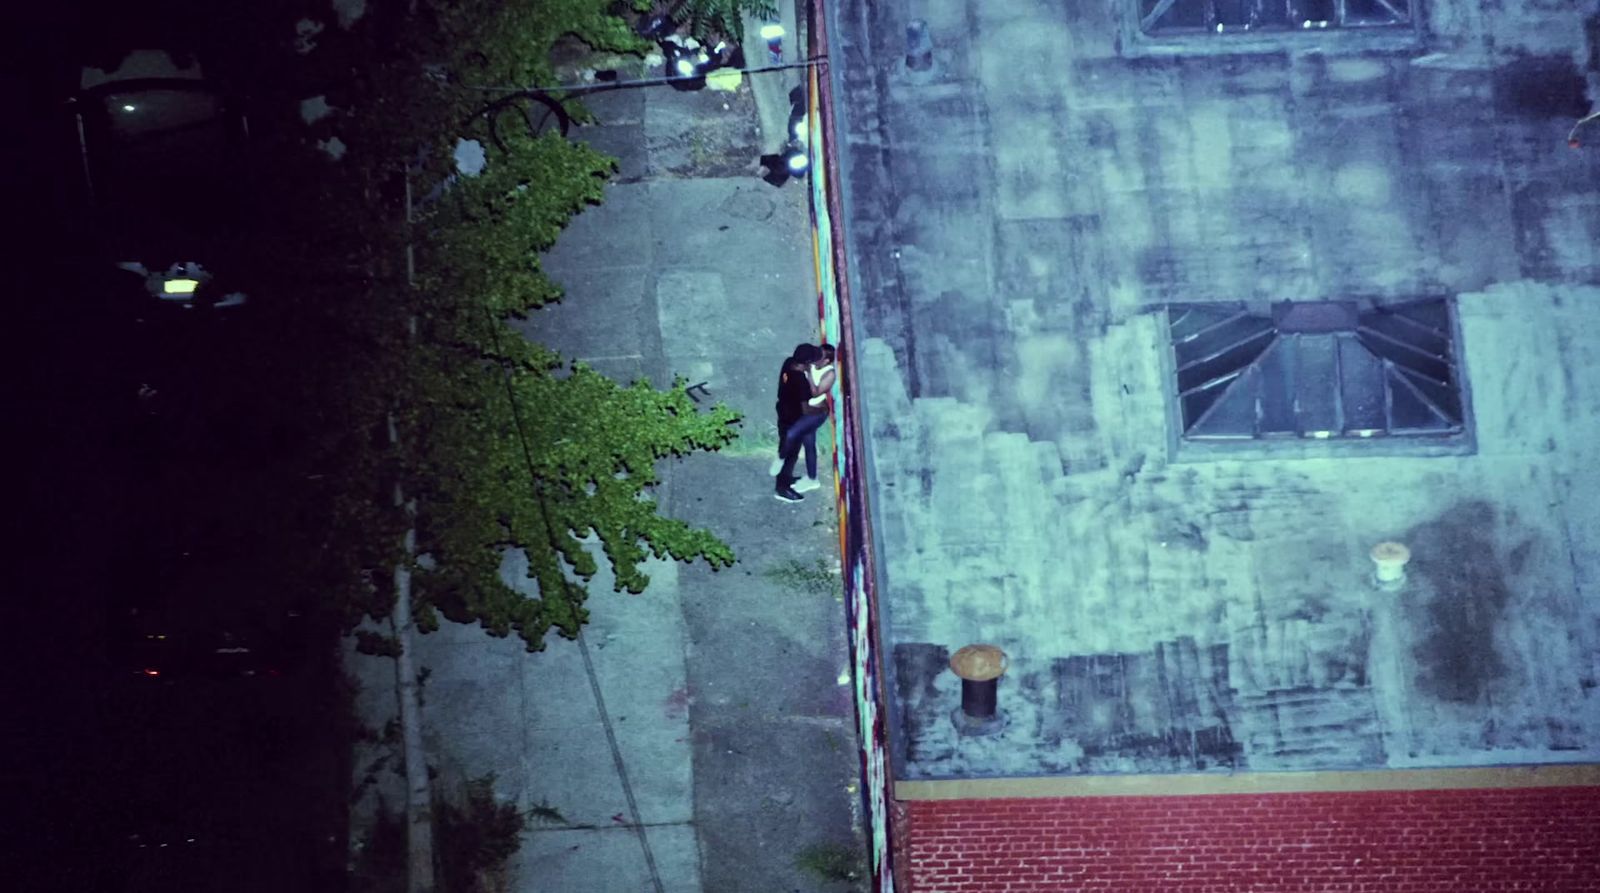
[709, 742]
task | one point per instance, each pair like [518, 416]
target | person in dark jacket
[799, 418]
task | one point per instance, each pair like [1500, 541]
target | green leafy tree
[720, 17]
[500, 443]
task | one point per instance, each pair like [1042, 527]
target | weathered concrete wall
[1020, 216]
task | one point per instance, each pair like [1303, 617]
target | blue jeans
[803, 433]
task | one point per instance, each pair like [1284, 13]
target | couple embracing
[803, 385]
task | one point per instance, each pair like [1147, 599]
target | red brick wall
[1452, 841]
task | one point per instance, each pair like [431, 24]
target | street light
[686, 66]
[795, 158]
[797, 153]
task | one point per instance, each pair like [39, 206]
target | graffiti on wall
[854, 537]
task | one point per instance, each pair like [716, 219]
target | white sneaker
[775, 467]
[806, 485]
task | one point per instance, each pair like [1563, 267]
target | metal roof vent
[1325, 369]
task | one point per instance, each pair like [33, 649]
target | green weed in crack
[830, 862]
[814, 577]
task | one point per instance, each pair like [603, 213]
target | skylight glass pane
[1321, 369]
[1180, 15]
[1225, 363]
[1407, 331]
[1376, 12]
[1277, 389]
[1443, 397]
[1233, 13]
[1433, 313]
[1408, 356]
[1220, 338]
[1361, 376]
[1185, 320]
[1196, 403]
[1234, 412]
[1235, 17]
[1409, 412]
[1315, 12]
[1272, 14]
[1317, 385]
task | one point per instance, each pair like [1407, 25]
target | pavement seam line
[616, 757]
[583, 642]
[563, 829]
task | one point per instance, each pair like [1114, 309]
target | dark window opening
[1328, 369]
[1242, 16]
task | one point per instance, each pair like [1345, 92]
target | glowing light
[772, 32]
[725, 79]
[180, 286]
[685, 67]
[798, 162]
[151, 671]
[127, 108]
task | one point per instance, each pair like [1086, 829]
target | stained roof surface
[1095, 426]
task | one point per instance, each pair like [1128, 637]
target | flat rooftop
[1025, 217]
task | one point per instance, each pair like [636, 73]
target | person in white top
[819, 374]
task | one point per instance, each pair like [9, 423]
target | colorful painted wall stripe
[855, 538]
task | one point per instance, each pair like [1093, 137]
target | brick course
[1450, 841]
